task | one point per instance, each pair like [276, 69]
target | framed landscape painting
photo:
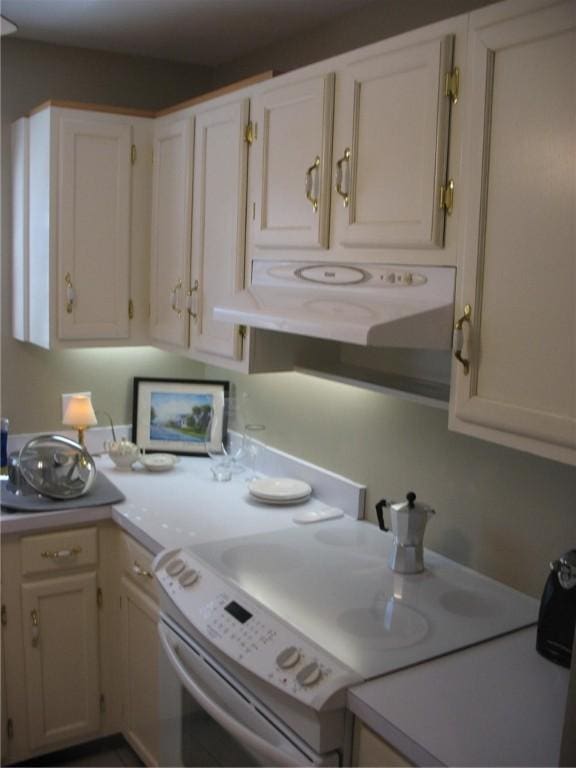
[179, 416]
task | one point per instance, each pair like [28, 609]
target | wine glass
[253, 434]
[220, 458]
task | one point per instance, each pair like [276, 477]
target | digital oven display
[239, 613]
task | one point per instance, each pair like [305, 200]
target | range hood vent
[369, 304]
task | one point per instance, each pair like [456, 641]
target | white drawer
[136, 563]
[59, 551]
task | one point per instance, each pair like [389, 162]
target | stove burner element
[389, 622]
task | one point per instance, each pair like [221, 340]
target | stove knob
[175, 567]
[189, 577]
[288, 658]
[309, 675]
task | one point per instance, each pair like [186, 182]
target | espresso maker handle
[380, 514]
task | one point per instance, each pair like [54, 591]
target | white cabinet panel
[141, 693]
[20, 212]
[171, 230]
[94, 229]
[518, 252]
[292, 157]
[78, 250]
[394, 117]
[369, 749]
[60, 629]
[221, 156]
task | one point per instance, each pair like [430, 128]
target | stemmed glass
[252, 442]
[224, 457]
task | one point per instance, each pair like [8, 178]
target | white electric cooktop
[331, 581]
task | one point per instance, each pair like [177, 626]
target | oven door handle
[252, 741]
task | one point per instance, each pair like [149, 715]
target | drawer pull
[70, 293]
[458, 342]
[139, 571]
[61, 554]
[35, 627]
[340, 177]
[174, 298]
[309, 183]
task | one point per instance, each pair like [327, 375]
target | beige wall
[367, 24]
[501, 511]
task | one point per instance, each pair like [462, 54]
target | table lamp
[80, 415]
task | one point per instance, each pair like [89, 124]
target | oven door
[209, 719]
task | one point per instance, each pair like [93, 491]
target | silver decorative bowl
[53, 466]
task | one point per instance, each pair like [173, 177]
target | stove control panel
[248, 632]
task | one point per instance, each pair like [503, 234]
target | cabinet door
[393, 120]
[171, 230]
[20, 215]
[93, 229]
[518, 254]
[218, 225]
[292, 158]
[60, 625]
[140, 671]
[369, 749]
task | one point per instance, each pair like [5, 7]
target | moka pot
[407, 524]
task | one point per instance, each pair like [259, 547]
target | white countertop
[497, 703]
[186, 506]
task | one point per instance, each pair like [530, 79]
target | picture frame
[173, 415]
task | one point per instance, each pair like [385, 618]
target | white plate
[159, 462]
[279, 489]
[280, 502]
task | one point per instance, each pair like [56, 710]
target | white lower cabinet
[51, 644]
[79, 642]
[515, 381]
[370, 750]
[140, 648]
[60, 633]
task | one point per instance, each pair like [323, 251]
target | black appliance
[557, 616]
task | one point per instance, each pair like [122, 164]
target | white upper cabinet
[218, 226]
[292, 159]
[78, 249]
[198, 240]
[350, 159]
[517, 385]
[94, 229]
[392, 150]
[171, 229]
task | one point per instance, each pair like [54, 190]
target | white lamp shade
[79, 412]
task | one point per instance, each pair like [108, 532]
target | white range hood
[368, 304]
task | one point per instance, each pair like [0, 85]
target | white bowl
[159, 462]
[124, 454]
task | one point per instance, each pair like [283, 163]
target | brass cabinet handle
[458, 343]
[340, 175]
[174, 300]
[193, 290]
[35, 627]
[139, 571]
[309, 183]
[70, 293]
[61, 554]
